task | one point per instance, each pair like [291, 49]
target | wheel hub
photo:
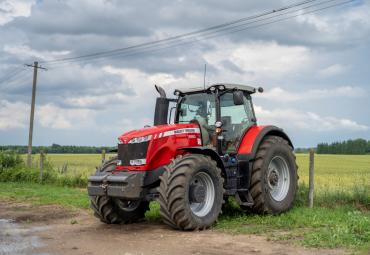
[273, 178]
[197, 193]
[278, 178]
[201, 194]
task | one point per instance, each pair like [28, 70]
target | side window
[235, 119]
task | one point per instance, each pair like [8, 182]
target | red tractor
[214, 149]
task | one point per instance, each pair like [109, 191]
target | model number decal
[180, 131]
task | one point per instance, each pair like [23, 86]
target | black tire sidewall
[283, 150]
[206, 167]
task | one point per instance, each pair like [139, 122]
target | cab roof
[227, 86]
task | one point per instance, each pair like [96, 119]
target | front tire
[191, 192]
[274, 177]
[114, 210]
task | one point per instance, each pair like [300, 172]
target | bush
[9, 159]
[13, 169]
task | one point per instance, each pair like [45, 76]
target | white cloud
[16, 115]
[52, 116]
[347, 25]
[10, 9]
[333, 70]
[13, 115]
[281, 95]
[263, 59]
[291, 118]
[25, 52]
[97, 101]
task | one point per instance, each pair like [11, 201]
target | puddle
[18, 240]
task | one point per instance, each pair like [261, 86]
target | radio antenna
[204, 78]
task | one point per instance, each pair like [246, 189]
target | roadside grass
[45, 194]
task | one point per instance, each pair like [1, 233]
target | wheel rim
[278, 178]
[127, 205]
[202, 181]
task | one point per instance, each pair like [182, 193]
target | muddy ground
[26, 229]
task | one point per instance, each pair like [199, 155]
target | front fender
[206, 151]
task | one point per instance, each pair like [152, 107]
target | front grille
[130, 151]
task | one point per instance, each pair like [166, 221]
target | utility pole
[35, 68]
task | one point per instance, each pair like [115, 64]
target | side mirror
[238, 97]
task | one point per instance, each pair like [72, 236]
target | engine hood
[155, 130]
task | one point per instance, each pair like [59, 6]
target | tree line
[357, 146]
[56, 148]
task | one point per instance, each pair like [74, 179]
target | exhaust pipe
[161, 91]
[161, 107]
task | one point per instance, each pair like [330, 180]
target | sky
[314, 68]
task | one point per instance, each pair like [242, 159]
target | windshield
[199, 109]
[196, 107]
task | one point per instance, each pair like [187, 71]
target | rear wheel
[115, 210]
[274, 176]
[191, 192]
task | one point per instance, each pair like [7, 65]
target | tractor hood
[155, 131]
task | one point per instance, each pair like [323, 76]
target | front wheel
[114, 210]
[191, 192]
[274, 176]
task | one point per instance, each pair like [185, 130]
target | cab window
[235, 120]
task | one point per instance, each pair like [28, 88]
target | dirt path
[56, 230]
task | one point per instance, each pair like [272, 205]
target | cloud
[54, 117]
[101, 101]
[262, 59]
[14, 8]
[281, 95]
[25, 52]
[13, 115]
[333, 70]
[294, 119]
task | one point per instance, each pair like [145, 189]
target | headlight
[141, 139]
[138, 162]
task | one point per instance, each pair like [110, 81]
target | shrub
[9, 159]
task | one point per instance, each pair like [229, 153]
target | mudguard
[253, 137]
[206, 151]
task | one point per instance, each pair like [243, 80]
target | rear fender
[254, 136]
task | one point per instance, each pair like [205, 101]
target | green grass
[319, 227]
[340, 219]
[44, 194]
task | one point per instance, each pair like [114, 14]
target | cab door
[235, 120]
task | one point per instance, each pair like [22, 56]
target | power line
[13, 74]
[234, 30]
[181, 36]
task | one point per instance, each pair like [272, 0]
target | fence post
[311, 178]
[41, 165]
[103, 156]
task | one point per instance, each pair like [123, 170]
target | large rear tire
[274, 177]
[191, 192]
[114, 210]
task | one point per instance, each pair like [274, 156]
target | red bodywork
[167, 139]
[250, 136]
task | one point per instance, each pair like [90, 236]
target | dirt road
[26, 229]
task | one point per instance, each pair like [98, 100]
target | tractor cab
[222, 111]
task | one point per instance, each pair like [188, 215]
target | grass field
[331, 171]
[341, 217]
